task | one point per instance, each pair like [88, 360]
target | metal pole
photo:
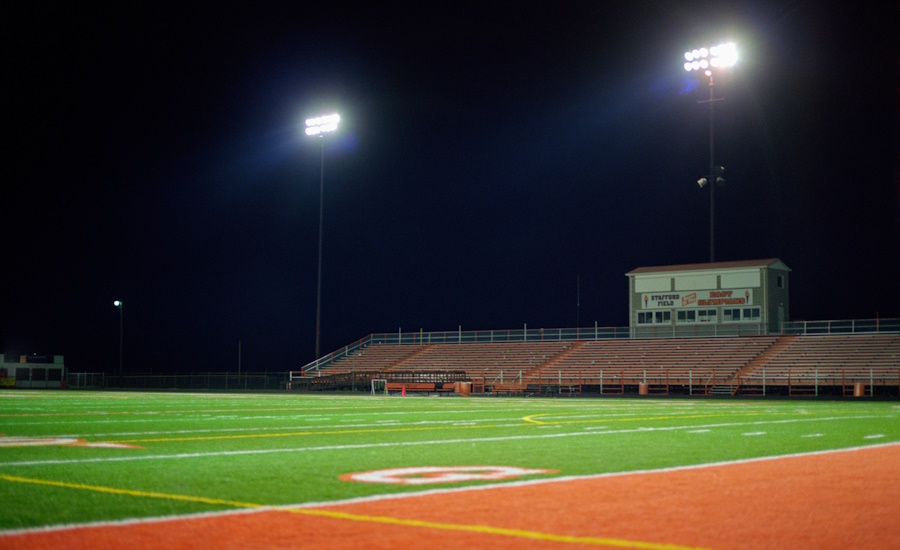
[121, 334]
[578, 306]
[712, 175]
[319, 279]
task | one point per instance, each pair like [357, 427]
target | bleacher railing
[852, 326]
[846, 326]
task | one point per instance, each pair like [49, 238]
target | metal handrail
[459, 336]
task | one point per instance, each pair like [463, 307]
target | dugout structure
[739, 298]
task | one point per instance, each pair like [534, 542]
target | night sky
[491, 156]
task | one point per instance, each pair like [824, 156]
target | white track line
[428, 492]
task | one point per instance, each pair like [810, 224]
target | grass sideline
[77, 457]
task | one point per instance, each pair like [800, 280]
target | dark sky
[490, 156]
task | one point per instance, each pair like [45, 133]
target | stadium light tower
[121, 307]
[319, 127]
[710, 60]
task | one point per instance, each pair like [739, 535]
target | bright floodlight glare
[727, 54]
[322, 124]
[117, 303]
[722, 55]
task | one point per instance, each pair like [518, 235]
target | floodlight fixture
[322, 124]
[720, 56]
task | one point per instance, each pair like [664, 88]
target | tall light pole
[121, 307]
[707, 60]
[318, 127]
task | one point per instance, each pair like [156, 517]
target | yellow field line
[128, 492]
[295, 434]
[532, 418]
[384, 520]
[527, 420]
[487, 529]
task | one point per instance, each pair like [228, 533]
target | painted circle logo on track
[427, 475]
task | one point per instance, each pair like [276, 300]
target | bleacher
[697, 364]
[677, 360]
[833, 360]
[491, 361]
[375, 358]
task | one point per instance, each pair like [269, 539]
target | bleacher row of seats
[677, 360]
[857, 357]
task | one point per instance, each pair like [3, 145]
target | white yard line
[212, 454]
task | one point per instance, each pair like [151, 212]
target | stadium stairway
[761, 360]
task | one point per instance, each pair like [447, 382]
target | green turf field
[72, 457]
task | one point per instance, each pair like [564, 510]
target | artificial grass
[207, 452]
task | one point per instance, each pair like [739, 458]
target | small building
[711, 299]
[32, 371]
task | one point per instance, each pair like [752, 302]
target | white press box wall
[712, 299]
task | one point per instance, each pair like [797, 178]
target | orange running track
[844, 499]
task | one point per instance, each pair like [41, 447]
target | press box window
[687, 316]
[731, 315]
[654, 317]
[706, 316]
[735, 315]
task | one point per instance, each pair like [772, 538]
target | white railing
[525, 334]
[845, 326]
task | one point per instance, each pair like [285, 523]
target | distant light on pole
[706, 59]
[121, 307]
[723, 55]
[318, 127]
[323, 124]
